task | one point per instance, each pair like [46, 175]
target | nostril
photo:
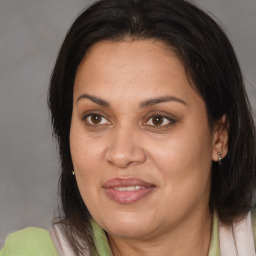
[124, 148]
[121, 162]
[126, 157]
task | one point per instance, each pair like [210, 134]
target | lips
[126, 191]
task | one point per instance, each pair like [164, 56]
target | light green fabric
[214, 249]
[100, 240]
[29, 242]
[37, 242]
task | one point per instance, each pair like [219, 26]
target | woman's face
[140, 140]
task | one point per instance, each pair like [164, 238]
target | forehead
[121, 54]
[140, 68]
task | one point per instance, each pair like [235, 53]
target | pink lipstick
[127, 191]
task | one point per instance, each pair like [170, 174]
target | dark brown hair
[211, 65]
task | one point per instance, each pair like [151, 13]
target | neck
[192, 235]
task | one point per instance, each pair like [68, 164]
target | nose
[125, 149]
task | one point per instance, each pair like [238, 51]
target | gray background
[31, 32]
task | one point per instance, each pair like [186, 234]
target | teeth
[131, 188]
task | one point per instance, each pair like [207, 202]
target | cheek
[85, 150]
[184, 161]
[86, 153]
[184, 167]
[87, 172]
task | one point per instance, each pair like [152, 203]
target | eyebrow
[93, 99]
[154, 101]
[143, 104]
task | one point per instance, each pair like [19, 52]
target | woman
[156, 137]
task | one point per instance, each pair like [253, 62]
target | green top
[29, 242]
[37, 241]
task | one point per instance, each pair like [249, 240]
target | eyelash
[85, 119]
[170, 121]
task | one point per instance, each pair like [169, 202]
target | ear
[220, 139]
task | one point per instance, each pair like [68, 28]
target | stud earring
[73, 173]
[220, 158]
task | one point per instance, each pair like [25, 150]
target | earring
[73, 173]
[220, 158]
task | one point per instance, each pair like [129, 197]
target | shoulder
[28, 242]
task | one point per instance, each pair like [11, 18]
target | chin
[129, 231]
[129, 226]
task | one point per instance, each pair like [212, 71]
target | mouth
[128, 190]
[131, 188]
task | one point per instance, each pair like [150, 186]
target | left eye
[95, 119]
[159, 121]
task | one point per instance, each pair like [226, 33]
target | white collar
[237, 239]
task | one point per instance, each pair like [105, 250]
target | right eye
[95, 119]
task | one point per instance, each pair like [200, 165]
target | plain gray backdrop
[31, 32]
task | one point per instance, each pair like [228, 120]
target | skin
[173, 150]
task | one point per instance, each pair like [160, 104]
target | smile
[127, 191]
[131, 188]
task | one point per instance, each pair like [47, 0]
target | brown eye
[96, 119]
[157, 120]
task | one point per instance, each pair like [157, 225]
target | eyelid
[147, 117]
[95, 112]
[171, 120]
